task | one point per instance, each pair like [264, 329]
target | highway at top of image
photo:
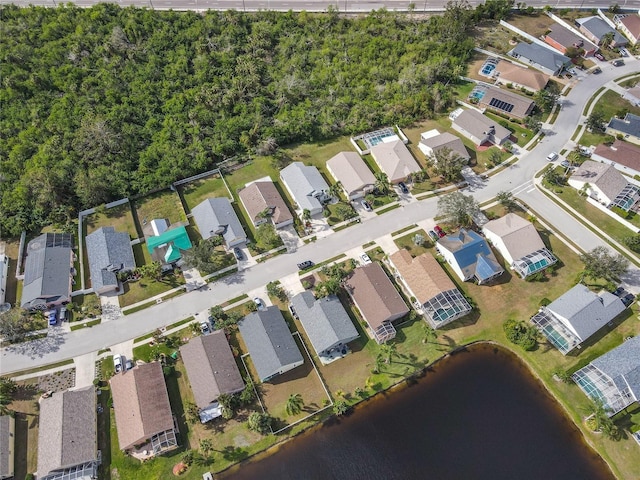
[60, 346]
[317, 5]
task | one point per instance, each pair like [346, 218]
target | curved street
[59, 345]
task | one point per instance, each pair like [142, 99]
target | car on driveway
[117, 363]
[365, 259]
[567, 164]
[52, 317]
[205, 328]
[433, 235]
[403, 187]
[306, 264]
[439, 231]
[259, 303]
[618, 291]
[128, 365]
[238, 253]
[366, 206]
[599, 56]
[628, 299]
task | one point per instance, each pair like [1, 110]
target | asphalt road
[61, 345]
[318, 5]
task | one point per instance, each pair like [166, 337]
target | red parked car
[439, 231]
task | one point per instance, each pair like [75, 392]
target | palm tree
[377, 366]
[335, 189]
[382, 182]
[388, 351]
[600, 415]
[429, 334]
[206, 445]
[294, 404]
[306, 214]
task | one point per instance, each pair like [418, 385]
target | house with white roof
[575, 316]
[349, 169]
[216, 216]
[306, 186]
[395, 160]
[613, 378]
[326, 323]
[478, 128]
[606, 185]
[519, 243]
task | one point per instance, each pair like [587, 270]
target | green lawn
[120, 218]
[163, 204]
[407, 243]
[199, 190]
[332, 219]
[145, 288]
[521, 134]
[611, 103]
[592, 138]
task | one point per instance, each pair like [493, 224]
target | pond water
[477, 415]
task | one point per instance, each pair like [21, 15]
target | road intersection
[59, 345]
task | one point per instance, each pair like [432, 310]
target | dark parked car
[305, 264]
[403, 187]
[617, 63]
[618, 291]
[439, 231]
[52, 316]
[433, 235]
[238, 253]
[628, 299]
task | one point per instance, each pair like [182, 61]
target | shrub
[521, 334]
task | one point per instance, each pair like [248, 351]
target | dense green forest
[102, 103]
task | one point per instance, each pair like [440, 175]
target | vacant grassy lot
[612, 104]
[535, 25]
[120, 218]
[163, 204]
[11, 250]
[26, 408]
[199, 190]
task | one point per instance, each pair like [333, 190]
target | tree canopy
[457, 208]
[599, 263]
[103, 102]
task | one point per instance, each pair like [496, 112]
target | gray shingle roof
[211, 367]
[269, 342]
[541, 55]
[7, 447]
[108, 252]
[622, 365]
[67, 434]
[567, 38]
[47, 269]
[306, 185]
[629, 125]
[480, 126]
[584, 311]
[604, 176]
[599, 28]
[325, 321]
[446, 140]
[215, 216]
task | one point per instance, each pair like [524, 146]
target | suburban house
[377, 299]
[520, 77]
[434, 141]
[169, 245]
[263, 203]
[270, 343]
[613, 378]
[544, 59]
[68, 436]
[470, 256]
[7, 446]
[606, 185]
[630, 26]
[502, 101]
[632, 95]
[352, 173]
[595, 29]
[326, 323]
[478, 128]
[4, 274]
[562, 39]
[216, 216]
[212, 371]
[575, 316]
[109, 252]
[395, 160]
[144, 420]
[628, 127]
[306, 186]
[48, 271]
[519, 243]
[622, 155]
[427, 282]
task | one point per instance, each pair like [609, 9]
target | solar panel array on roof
[500, 105]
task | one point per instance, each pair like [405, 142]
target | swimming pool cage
[557, 334]
[599, 386]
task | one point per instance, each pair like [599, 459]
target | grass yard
[120, 218]
[141, 254]
[145, 288]
[520, 135]
[163, 204]
[611, 103]
[407, 243]
[490, 36]
[12, 295]
[25, 404]
[589, 139]
[199, 190]
[535, 25]
[317, 154]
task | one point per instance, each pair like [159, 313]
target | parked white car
[365, 259]
[117, 363]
